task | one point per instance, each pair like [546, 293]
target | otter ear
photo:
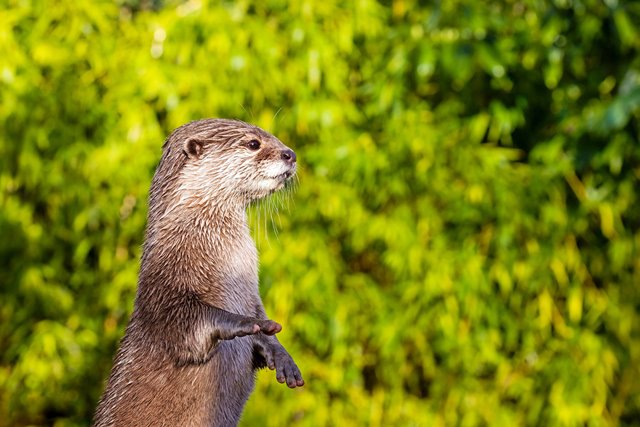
[193, 148]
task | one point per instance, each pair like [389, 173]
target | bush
[463, 247]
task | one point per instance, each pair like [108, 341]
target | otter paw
[286, 370]
[240, 329]
[269, 327]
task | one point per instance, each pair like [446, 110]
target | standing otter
[199, 330]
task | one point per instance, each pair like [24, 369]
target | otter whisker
[245, 110]
[274, 209]
[276, 114]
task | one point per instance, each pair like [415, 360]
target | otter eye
[254, 144]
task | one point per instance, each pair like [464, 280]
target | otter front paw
[243, 326]
[286, 369]
[269, 327]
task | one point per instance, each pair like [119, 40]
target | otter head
[227, 162]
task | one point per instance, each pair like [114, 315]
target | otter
[198, 331]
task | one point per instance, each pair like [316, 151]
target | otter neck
[212, 219]
[194, 221]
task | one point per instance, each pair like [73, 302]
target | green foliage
[463, 247]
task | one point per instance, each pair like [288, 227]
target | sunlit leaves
[462, 247]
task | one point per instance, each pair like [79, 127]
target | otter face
[273, 161]
[236, 161]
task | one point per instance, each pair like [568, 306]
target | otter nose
[288, 156]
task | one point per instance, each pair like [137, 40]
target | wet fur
[183, 360]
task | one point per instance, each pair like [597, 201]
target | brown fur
[198, 329]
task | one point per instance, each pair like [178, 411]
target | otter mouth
[278, 178]
[285, 175]
[280, 181]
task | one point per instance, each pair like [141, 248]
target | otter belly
[157, 393]
[233, 379]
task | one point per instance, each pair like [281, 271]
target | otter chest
[240, 274]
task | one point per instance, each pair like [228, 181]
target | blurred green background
[463, 247]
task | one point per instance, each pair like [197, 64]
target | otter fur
[199, 330]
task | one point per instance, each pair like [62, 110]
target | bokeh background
[463, 246]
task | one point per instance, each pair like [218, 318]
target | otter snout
[288, 155]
